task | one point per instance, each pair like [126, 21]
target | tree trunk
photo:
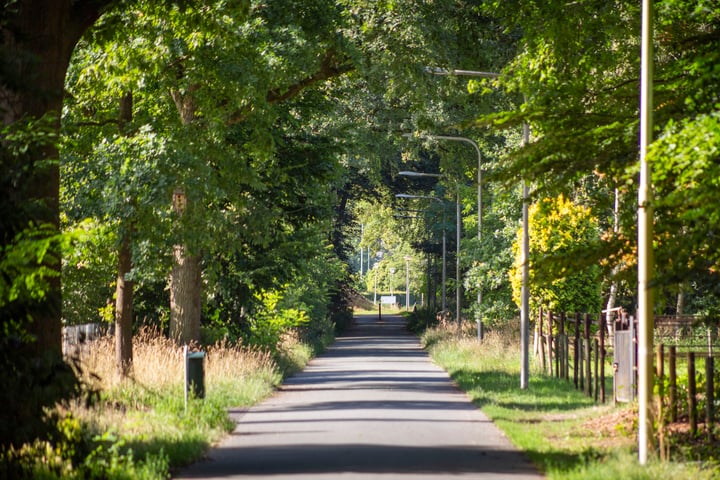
[186, 275]
[680, 304]
[185, 281]
[124, 287]
[124, 310]
[37, 39]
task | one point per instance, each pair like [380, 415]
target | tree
[36, 51]
[38, 37]
[577, 68]
[560, 229]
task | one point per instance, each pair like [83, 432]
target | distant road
[372, 406]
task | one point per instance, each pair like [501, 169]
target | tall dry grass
[150, 401]
[158, 363]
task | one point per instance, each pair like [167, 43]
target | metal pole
[362, 230]
[525, 291]
[645, 237]
[479, 234]
[458, 280]
[407, 284]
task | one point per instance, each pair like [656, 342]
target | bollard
[194, 374]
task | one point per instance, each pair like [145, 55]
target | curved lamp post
[458, 231]
[444, 251]
[474, 144]
[525, 252]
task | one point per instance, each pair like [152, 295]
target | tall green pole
[645, 246]
[525, 286]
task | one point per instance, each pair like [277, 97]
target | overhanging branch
[330, 67]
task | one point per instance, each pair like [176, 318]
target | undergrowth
[563, 432]
[141, 427]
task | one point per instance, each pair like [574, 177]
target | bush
[421, 319]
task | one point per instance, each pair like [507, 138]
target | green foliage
[88, 271]
[577, 69]
[559, 280]
[29, 387]
[685, 175]
[74, 453]
[272, 319]
[421, 319]
[549, 420]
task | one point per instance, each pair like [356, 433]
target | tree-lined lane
[373, 405]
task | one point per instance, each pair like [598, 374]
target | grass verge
[140, 427]
[563, 432]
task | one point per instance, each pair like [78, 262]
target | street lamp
[645, 241]
[444, 241]
[407, 282]
[479, 206]
[458, 231]
[525, 253]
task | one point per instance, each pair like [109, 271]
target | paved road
[373, 406]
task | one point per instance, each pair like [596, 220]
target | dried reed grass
[158, 363]
[149, 403]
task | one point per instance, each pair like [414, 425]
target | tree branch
[330, 67]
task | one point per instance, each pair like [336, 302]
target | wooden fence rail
[670, 401]
[587, 361]
[575, 348]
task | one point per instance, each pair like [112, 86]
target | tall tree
[38, 37]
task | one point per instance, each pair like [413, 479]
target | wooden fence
[682, 340]
[577, 348]
[569, 344]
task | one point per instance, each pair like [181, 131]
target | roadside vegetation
[139, 427]
[227, 172]
[564, 433]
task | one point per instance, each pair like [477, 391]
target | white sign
[388, 299]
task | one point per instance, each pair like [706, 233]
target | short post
[588, 353]
[194, 374]
[551, 366]
[602, 358]
[562, 348]
[672, 382]
[709, 396]
[541, 337]
[576, 352]
[660, 375]
[596, 363]
[692, 397]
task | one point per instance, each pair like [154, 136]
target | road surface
[373, 406]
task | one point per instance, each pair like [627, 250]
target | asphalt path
[372, 406]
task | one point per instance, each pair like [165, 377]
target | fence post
[709, 395]
[541, 336]
[588, 352]
[550, 343]
[596, 361]
[602, 358]
[562, 346]
[692, 398]
[672, 382]
[660, 374]
[576, 346]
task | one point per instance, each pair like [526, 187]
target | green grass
[140, 427]
[563, 432]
